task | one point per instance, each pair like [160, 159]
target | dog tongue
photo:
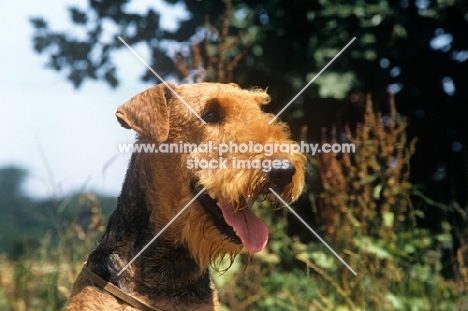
[249, 228]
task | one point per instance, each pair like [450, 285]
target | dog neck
[164, 274]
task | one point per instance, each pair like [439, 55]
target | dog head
[233, 157]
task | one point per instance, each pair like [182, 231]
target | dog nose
[282, 176]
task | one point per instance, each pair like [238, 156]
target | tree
[11, 180]
[12, 205]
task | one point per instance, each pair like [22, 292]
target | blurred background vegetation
[396, 210]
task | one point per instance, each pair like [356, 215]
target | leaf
[368, 179]
[38, 22]
[373, 247]
[322, 260]
[376, 192]
[77, 16]
[388, 219]
[111, 78]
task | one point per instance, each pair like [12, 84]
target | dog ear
[146, 113]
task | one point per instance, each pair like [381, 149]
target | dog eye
[212, 117]
[212, 113]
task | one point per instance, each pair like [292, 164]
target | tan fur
[161, 182]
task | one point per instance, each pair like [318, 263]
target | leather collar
[115, 291]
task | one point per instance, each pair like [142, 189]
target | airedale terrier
[173, 272]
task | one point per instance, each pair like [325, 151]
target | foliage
[26, 221]
[41, 278]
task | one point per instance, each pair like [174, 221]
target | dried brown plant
[366, 197]
[371, 186]
[215, 61]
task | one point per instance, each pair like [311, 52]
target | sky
[67, 139]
